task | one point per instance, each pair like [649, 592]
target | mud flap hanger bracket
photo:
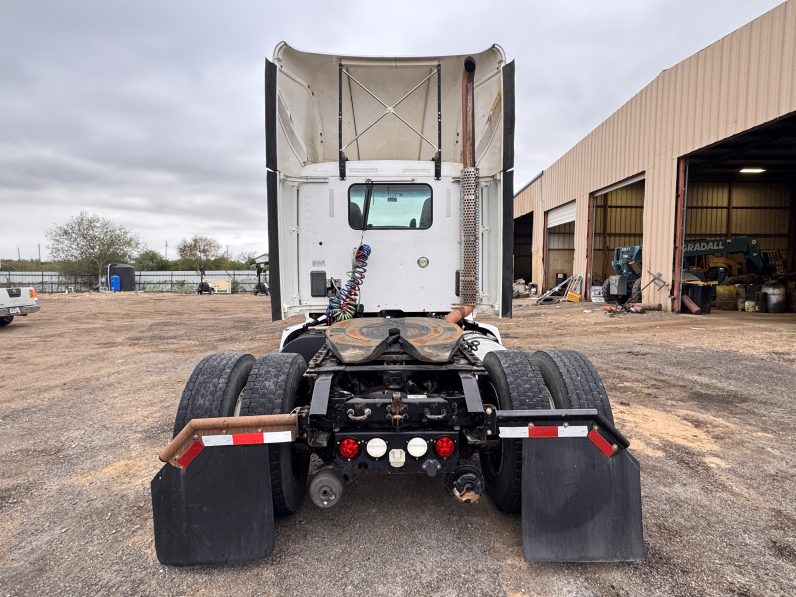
[566, 422]
[232, 431]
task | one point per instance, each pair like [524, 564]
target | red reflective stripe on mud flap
[599, 441]
[543, 431]
[190, 454]
[242, 439]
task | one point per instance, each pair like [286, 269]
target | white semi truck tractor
[390, 212]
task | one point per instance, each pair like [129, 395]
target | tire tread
[205, 389]
[527, 391]
[267, 392]
[583, 383]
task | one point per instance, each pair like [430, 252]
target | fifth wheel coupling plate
[362, 339]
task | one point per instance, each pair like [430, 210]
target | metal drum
[740, 296]
[775, 297]
[762, 302]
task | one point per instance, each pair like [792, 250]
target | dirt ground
[89, 387]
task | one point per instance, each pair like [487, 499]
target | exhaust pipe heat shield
[578, 504]
[218, 510]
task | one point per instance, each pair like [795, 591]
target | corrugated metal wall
[760, 211]
[561, 236]
[743, 80]
[618, 222]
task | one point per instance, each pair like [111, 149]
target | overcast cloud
[151, 113]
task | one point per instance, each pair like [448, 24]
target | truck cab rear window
[392, 207]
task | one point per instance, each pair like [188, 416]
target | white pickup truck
[17, 301]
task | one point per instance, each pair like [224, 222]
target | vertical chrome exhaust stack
[468, 240]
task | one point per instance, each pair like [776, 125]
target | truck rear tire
[4, 321]
[572, 381]
[213, 388]
[272, 388]
[516, 384]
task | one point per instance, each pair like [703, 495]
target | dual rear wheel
[547, 379]
[232, 383]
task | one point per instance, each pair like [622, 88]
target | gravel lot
[89, 387]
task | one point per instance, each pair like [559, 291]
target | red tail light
[445, 447]
[348, 448]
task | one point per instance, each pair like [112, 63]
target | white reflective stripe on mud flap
[277, 437]
[243, 439]
[544, 431]
[217, 440]
[573, 431]
[511, 432]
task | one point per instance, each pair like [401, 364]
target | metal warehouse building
[667, 167]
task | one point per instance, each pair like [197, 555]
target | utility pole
[167, 251]
[39, 244]
[19, 256]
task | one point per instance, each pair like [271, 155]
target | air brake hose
[344, 304]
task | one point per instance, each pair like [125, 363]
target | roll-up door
[561, 215]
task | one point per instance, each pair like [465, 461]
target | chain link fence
[185, 282]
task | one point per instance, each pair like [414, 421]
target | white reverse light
[376, 447]
[417, 447]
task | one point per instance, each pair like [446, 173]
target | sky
[150, 113]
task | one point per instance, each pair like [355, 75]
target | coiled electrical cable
[344, 304]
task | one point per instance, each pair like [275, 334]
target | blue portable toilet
[126, 275]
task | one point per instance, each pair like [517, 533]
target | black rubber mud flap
[216, 511]
[579, 505]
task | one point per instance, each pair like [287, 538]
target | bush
[181, 287]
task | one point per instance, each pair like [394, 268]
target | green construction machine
[704, 259]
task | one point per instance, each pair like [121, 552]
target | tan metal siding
[741, 81]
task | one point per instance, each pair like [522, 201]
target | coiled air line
[344, 304]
